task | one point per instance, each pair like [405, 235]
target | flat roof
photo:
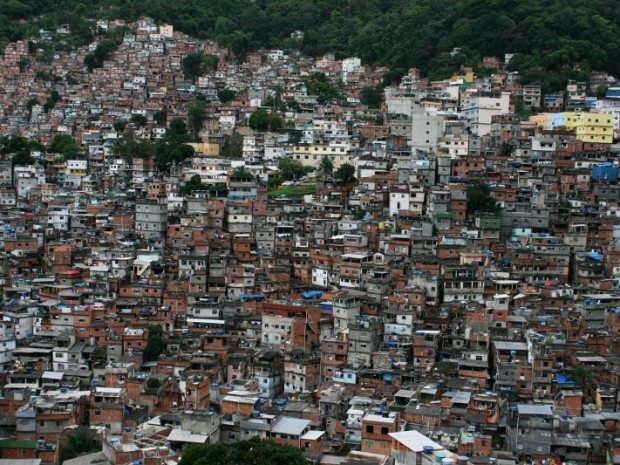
[527, 409]
[313, 435]
[207, 321]
[358, 256]
[288, 425]
[20, 461]
[507, 345]
[89, 459]
[240, 400]
[179, 435]
[415, 441]
[108, 390]
[380, 418]
[592, 358]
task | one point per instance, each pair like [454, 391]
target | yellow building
[206, 148]
[311, 154]
[541, 120]
[467, 76]
[595, 128]
[572, 120]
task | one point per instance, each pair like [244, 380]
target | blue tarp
[312, 294]
[562, 379]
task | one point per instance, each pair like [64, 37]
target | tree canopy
[193, 66]
[254, 451]
[196, 115]
[226, 95]
[345, 174]
[292, 170]
[552, 41]
[80, 440]
[129, 147]
[262, 120]
[326, 166]
[20, 149]
[372, 96]
[65, 145]
[479, 198]
[155, 344]
[194, 184]
[242, 172]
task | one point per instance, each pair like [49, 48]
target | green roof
[17, 444]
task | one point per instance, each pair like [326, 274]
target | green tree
[232, 147]
[226, 95]
[155, 344]
[259, 120]
[65, 145]
[31, 103]
[345, 174]
[584, 379]
[139, 120]
[326, 167]
[177, 131]
[193, 66]
[160, 116]
[255, 451]
[13, 144]
[102, 52]
[601, 91]
[292, 170]
[153, 383]
[194, 184]
[276, 123]
[242, 172]
[479, 198]
[169, 153]
[119, 126]
[51, 101]
[129, 147]
[196, 115]
[372, 96]
[324, 90]
[210, 62]
[22, 158]
[79, 441]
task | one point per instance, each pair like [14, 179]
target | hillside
[555, 39]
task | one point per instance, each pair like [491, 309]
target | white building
[58, 218]
[478, 109]
[7, 346]
[399, 200]
[350, 65]
[166, 30]
[426, 130]
[276, 329]
[413, 447]
[75, 172]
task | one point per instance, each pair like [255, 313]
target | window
[370, 429]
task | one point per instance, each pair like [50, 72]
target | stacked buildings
[391, 320]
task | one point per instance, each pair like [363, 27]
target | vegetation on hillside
[554, 39]
[254, 451]
[79, 441]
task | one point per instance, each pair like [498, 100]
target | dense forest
[555, 39]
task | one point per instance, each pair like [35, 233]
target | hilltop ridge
[554, 40]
